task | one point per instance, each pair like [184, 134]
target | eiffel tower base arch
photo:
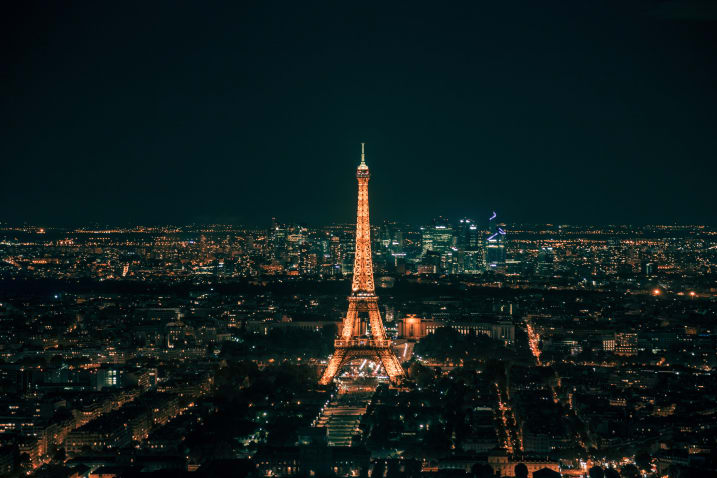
[344, 354]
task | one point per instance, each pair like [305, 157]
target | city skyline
[482, 220]
[165, 341]
[358, 240]
[221, 351]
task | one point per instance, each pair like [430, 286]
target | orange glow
[656, 292]
[363, 299]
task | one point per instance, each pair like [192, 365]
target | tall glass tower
[495, 245]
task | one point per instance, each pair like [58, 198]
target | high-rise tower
[352, 344]
[495, 245]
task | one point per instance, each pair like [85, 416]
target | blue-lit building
[495, 245]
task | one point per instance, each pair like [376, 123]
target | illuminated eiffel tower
[352, 344]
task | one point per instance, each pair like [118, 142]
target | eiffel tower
[352, 344]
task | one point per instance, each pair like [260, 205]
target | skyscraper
[495, 245]
[545, 264]
[467, 235]
[438, 237]
[470, 247]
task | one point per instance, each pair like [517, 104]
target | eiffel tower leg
[391, 364]
[350, 327]
[333, 367]
[374, 316]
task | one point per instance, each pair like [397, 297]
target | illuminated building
[505, 466]
[415, 328]
[308, 261]
[546, 260]
[470, 254]
[412, 327]
[468, 235]
[608, 344]
[391, 236]
[471, 262]
[437, 238]
[353, 343]
[626, 343]
[109, 378]
[495, 245]
[649, 268]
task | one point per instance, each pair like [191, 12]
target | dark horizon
[165, 113]
[290, 222]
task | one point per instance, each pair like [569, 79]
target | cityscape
[507, 350]
[358, 240]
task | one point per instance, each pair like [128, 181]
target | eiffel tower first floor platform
[378, 350]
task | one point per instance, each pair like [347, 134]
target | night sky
[550, 112]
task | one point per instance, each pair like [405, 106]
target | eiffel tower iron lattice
[352, 344]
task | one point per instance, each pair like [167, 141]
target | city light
[197, 278]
